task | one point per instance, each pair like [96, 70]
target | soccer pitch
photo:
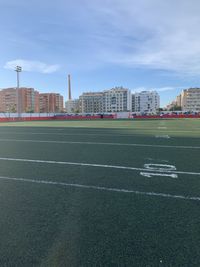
[100, 193]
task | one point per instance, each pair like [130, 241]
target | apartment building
[91, 102]
[8, 100]
[117, 99]
[22, 100]
[187, 101]
[147, 102]
[28, 100]
[50, 103]
[190, 100]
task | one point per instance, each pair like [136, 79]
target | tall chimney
[69, 87]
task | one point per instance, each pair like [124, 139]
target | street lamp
[18, 69]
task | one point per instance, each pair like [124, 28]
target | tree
[13, 109]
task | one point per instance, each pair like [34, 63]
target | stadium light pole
[18, 69]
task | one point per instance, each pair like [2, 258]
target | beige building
[178, 101]
[190, 100]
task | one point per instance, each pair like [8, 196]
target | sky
[140, 45]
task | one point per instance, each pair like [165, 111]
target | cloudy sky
[141, 45]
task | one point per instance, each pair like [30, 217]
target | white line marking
[163, 136]
[101, 188]
[161, 127]
[150, 174]
[161, 167]
[96, 143]
[94, 165]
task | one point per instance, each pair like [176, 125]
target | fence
[10, 117]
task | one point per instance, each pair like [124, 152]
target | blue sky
[141, 45]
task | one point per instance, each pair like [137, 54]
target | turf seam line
[109, 134]
[97, 143]
[101, 188]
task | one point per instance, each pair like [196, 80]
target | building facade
[147, 102]
[22, 100]
[190, 100]
[187, 101]
[117, 99]
[91, 102]
[178, 101]
[50, 103]
[8, 100]
[28, 100]
[72, 106]
[175, 105]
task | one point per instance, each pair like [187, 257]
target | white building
[117, 99]
[147, 102]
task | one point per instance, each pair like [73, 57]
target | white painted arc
[92, 165]
[97, 143]
[102, 188]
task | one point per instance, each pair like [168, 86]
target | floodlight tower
[18, 69]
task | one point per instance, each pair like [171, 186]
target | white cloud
[160, 89]
[140, 89]
[152, 34]
[32, 66]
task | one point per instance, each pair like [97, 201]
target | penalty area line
[100, 188]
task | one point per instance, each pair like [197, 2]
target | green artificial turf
[59, 223]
